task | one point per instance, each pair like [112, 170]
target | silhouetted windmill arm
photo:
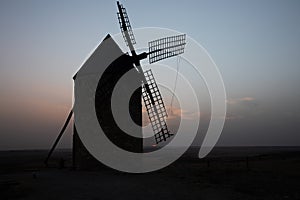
[158, 50]
[126, 29]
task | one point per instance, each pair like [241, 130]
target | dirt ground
[227, 173]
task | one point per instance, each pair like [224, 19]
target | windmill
[158, 50]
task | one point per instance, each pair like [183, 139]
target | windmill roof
[100, 58]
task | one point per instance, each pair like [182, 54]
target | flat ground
[227, 173]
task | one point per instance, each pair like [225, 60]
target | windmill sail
[125, 26]
[158, 50]
[157, 111]
[166, 47]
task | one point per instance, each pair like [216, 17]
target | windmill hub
[140, 57]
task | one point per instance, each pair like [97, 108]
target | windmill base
[82, 159]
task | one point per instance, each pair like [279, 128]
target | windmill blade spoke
[156, 109]
[166, 47]
[125, 27]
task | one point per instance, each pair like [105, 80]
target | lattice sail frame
[128, 26]
[159, 125]
[166, 47]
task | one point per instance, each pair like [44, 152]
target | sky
[255, 44]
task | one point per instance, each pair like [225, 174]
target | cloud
[231, 116]
[242, 108]
[240, 100]
[244, 103]
[174, 113]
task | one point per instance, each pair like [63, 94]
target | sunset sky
[255, 44]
